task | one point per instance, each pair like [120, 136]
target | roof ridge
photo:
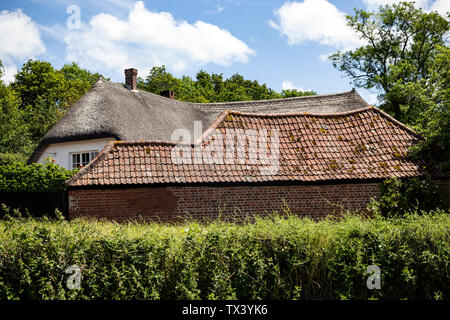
[310, 97]
[332, 115]
[221, 118]
[146, 142]
[399, 124]
[301, 114]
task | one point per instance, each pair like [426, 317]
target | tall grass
[271, 258]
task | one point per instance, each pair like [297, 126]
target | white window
[80, 159]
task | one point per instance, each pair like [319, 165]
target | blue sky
[280, 43]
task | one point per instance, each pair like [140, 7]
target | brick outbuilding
[245, 164]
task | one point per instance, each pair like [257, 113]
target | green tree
[401, 44]
[211, 87]
[15, 139]
[205, 86]
[47, 93]
[19, 177]
[38, 80]
[401, 196]
[43, 92]
[79, 81]
[158, 80]
[434, 122]
[289, 93]
[188, 91]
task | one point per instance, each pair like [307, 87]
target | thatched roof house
[319, 154]
[111, 111]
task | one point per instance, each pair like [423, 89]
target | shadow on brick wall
[36, 204]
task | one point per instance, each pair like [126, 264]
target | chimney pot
[131, 78]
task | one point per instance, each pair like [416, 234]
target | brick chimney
[131, 78]
[168, 94]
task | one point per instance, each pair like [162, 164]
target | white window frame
[80, 163]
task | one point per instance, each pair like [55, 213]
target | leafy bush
[17, 177]
[278, 258]
[409, 195]
[6, 157]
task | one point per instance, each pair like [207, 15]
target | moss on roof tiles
[111, 110]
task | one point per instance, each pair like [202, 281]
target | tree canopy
[211, 87]
[406, 59]
[37, 98]
[14, 135]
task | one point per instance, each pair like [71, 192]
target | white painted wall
[61, 152]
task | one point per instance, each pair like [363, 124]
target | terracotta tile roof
[111, 110]
[361, 144]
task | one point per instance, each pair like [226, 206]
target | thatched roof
[111, 110]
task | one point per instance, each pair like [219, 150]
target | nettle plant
[400, 196]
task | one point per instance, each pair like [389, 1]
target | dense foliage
[434, 121]
[35, 101]
[401, 196]
[212, 87]
[19, 177]
[279, 258]
[406, 58]
[401, 44]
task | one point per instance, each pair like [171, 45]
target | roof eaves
[39, 150]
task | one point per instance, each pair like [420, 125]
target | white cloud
[321, 22]
[288, 85]
[19, 39]
[324, 56]
[315, 20]
[217, 9]
[148, 38]
[9, 73]
[441, 6]
[19, 35]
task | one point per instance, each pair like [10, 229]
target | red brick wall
[205, 202]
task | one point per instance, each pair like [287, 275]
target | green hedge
[19, 177]
[278, 258]
[400, 196]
